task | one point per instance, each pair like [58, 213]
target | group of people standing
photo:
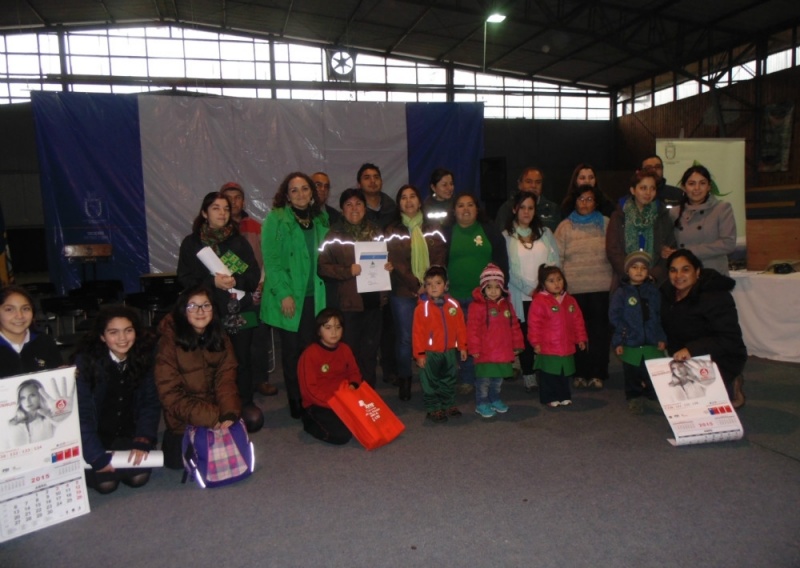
[466, 297]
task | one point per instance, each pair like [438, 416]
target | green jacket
[287, 266]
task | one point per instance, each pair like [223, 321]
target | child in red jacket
[494, 339]
[320, 371]
[555, 326]
[438, 338]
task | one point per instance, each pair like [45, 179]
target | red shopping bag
[366, 415]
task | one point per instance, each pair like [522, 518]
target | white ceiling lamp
[492, 19]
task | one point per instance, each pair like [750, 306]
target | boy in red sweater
[438, 332]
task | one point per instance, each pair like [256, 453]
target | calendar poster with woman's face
[41, 468]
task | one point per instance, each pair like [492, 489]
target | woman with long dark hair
[472, 243]
[700, 318]
[704, 224]
[585, 174]
[529, 244]
[414, 244]
[195, 371]
[117, 397]
[23, 349]
[215, 229]
[293, 292]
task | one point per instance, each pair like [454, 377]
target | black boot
[295, 408]
[405, 388]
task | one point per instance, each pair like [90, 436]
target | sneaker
[579, 383]
[595, 383]
[464, 388]
[499, 406]
[566, 402]
[530, 382]
[554, 404]
[453, 411]
[437, 416]
[636, 406]
[485, 410]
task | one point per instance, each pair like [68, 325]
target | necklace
[526, 242]
[305, 223]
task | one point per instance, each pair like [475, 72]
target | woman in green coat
[293, 293]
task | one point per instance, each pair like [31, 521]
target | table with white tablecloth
[769, 313]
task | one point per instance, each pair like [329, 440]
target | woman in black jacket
[700, 318]
[232, 293]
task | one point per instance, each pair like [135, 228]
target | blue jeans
[466, 369]
[403, 312]
[487, 390]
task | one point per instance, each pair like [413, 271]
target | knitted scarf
[593, 219]
[639, 226]
[213, 237]
[420, 259]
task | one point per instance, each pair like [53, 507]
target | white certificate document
[372, 256]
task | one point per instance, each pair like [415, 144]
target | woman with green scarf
[414, 245]
[337, 261]
[640, 223]
[232, 294]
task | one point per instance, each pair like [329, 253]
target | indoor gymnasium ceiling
[606, 44]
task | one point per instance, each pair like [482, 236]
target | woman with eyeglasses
[195, 371]
[585, 174]
[581, 239]
[215, 229]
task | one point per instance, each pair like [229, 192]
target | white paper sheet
[372, 256]
[119, 460]
[211, 261]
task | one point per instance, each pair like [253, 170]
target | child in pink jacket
[493, 338]
[555, 326]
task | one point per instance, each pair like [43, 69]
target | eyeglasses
[192, 308]
[586, 199]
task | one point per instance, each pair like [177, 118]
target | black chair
[39, 290]
[152, 306]
[106, 291]
[71, 314]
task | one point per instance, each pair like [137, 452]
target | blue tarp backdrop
[111, 174]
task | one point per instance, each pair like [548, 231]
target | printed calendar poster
[694, 400]
[41, 464]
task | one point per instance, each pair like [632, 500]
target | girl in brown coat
[195, 371]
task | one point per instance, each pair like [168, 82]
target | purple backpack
[217, 457]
